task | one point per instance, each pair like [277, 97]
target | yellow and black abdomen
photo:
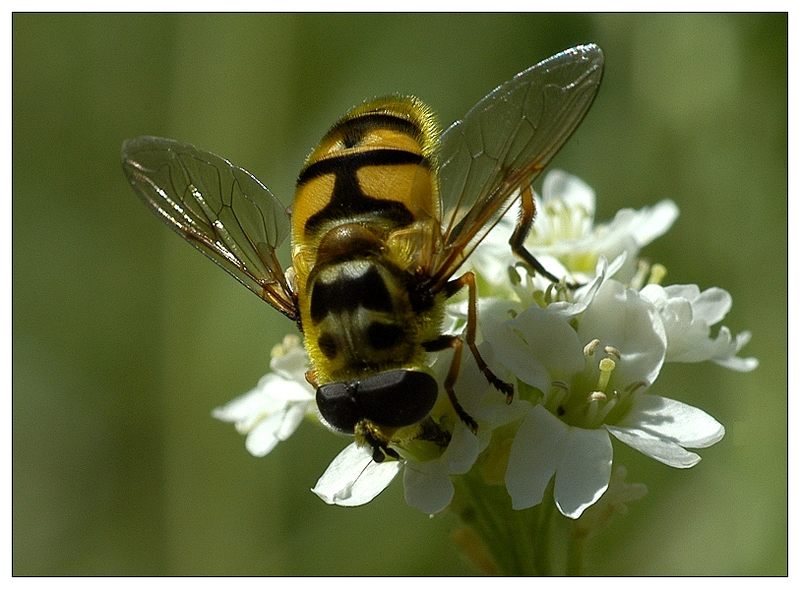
[365, 199]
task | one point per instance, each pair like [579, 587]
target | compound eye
[337, 404]
[397, 398]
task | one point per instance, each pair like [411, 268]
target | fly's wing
[503, 143]
[221, 209]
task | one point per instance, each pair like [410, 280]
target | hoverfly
[385, 212]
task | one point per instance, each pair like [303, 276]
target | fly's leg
[367, 435]
[527, 211]
[430, 431]
[453, 287]
[311, 378]
[455, 342]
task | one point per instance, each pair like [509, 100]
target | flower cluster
[584, 362]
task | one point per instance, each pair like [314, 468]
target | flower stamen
[657, 274]
[642, 271]
[606, 366]
[597, 396]
[588, 349]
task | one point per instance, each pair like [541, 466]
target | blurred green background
[124, 338]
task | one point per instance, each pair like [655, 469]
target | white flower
[273, 410]
[584, 361]
[688, 315]
[584, 384]
[353, 478]
[565, 238]
[565, 227]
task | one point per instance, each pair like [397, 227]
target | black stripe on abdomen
[353, 161]
[348, 199]
[353, 130]
[367, 291]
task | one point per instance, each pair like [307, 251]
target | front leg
[453, 287]
[367, 434]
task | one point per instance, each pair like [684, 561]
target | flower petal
[539, 347]
[261, 440]
[462, 451]
[660, 449]
[353, 478]
[619, 317]
[534, 456]
[248, 408]
[711, 305]
[583, 473]
[513, 353]
[734, 362]
[427, 486]
[292, 418]
[571, 190]
[674, 421]
[293, 362]
[653, 222]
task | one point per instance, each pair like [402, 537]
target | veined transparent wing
[221, 209]
[504, 142]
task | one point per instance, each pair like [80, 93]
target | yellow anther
[607, 366]
[657, 274]
[589, 348]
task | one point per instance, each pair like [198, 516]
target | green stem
[543, 532]
[520, 542]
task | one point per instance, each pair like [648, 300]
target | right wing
[503, 143]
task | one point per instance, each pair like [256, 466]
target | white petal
[584, 471]
[711, 305]
[273, 428]
[549, 348]
[282, 389]
[673, 421]
[613, 267]
[574, 192]
[514, 354]
[262, 438]
[687, 314]
[535, 453]
[473, 390]
[660, 449]
[292, 418]
[427, 486]
[737, 364]
[292, 365]
[249, 406]
[621, 318]
[655, 293]
[629, 231]
[653, 222]
[733, 362]
[353, 478]
[462, 451]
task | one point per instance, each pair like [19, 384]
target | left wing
[221, 209]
